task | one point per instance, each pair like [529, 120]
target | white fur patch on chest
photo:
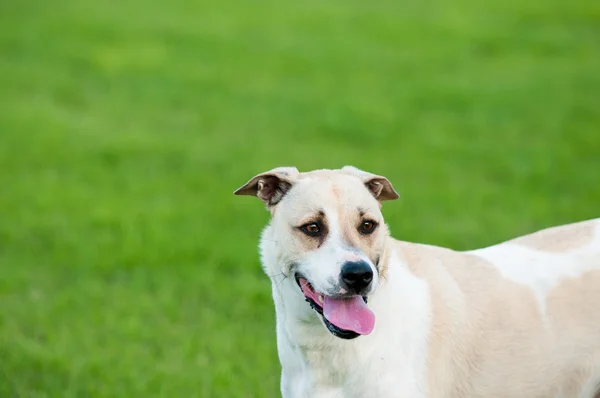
[393, 358]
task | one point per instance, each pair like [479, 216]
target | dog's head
[328, 235]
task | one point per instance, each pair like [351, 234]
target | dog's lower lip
[337, 332]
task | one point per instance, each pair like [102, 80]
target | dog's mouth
[345, 317]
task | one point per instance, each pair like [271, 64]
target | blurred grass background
[128, 268]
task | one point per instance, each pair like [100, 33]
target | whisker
[279, 275]
[282, 279]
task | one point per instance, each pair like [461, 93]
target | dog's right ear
[270, 186]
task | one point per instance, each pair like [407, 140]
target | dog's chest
[343, 372]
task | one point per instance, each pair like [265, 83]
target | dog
[360, 314]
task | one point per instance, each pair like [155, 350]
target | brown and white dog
[360, 314]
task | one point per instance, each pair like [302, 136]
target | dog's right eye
[312, 229]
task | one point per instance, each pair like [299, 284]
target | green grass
[128, 268]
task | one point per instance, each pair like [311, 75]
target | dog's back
[580, 236]
[525, 316]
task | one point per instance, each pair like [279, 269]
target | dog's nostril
[356, 275]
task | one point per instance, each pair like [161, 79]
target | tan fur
[506, 325]
[574, 319]
[559, 239]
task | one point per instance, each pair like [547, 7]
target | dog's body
[518, 319]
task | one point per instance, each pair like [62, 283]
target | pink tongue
[349, 314]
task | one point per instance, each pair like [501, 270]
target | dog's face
[328, 235]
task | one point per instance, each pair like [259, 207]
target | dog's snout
[356, 275]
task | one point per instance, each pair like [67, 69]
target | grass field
[128, 268]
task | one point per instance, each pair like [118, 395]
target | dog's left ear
[270, 186]
[380, 187]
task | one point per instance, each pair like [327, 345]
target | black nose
[356, 276]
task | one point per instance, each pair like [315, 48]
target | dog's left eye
[367, 227]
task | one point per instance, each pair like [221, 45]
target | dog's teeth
[321, 300]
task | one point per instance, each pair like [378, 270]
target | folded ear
[270, 186]
[379, 186]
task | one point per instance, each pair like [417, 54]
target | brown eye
[367, 227]
[312, 229]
